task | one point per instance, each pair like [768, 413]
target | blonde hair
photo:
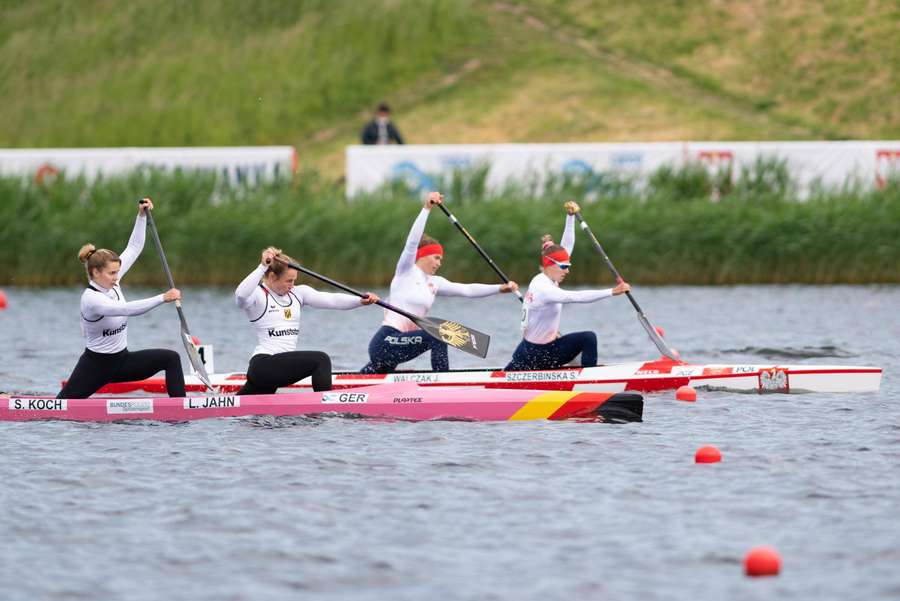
[96, 260]
[276, 267]
[548, 246]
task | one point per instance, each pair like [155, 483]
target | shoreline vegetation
[666, 230]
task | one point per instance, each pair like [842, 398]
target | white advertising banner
[831, 163]
[238, 164]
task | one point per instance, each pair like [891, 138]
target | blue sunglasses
[560, 265]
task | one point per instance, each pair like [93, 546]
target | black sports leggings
[267, 373]
[94, 370]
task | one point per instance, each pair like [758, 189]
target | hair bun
[546, 241]
[86, 251]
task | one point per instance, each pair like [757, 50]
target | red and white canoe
[404, 401]
[650, 376]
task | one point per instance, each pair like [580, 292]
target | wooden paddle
[189, 347]
[451, 332]
[651, 331]
[483, 254]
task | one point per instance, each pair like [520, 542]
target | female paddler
[414, 288]
[104, 323]
[272, 303]
[542, 346]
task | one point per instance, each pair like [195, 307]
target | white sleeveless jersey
[275, 317]
[104, 312]
[414, 291]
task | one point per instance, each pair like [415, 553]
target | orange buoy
[762, 561]
[707, 454]
[686, 393]
[2, 300]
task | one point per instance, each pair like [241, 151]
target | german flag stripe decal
[543, 405]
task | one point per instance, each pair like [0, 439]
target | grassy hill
[228, 72]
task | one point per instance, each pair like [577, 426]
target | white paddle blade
[194, 358]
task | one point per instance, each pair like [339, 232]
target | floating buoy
[762, 561]
[707, 454]
[2, 300]
[686, 393]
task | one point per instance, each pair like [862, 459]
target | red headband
[429, 249]
[560, 255]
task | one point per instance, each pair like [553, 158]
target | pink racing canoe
[403, 401]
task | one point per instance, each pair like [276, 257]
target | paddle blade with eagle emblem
[456, 335]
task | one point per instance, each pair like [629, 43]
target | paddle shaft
[612, 268]
[450, 332]
[480, 250]
[186, 338]
[165, 264]
[651, 330]
[348, 289]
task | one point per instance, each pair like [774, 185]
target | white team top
[275, 317]
[104, 311]
[414, 291]
[542, 310]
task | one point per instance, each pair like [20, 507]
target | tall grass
[668, 233]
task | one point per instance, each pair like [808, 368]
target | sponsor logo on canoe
[717, 371]
[774, 380]
[121, 406]
[686, 371]
[414, 378]
[38, 404]
[407, 399]
[646, 372]
[541, 376]
[345, 397]
[211, 402]
[745, 369]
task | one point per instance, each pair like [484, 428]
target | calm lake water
[336, 508]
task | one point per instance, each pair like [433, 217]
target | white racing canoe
[649, 376]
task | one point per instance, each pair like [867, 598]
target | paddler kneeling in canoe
[542, 346]
[104, 323]
[272, 303]
[414, 288]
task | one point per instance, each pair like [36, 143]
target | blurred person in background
[381, 129]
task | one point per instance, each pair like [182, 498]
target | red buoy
[762, 561]
[707, 454]
[2, 300]
[686, 393]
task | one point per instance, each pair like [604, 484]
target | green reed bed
[667, 232]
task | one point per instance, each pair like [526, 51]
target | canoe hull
[406, 401]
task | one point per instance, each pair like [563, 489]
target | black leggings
[95, 370]
[267, 373]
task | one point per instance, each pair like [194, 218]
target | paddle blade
[196, 362]
[456, 335]
[657, 339]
